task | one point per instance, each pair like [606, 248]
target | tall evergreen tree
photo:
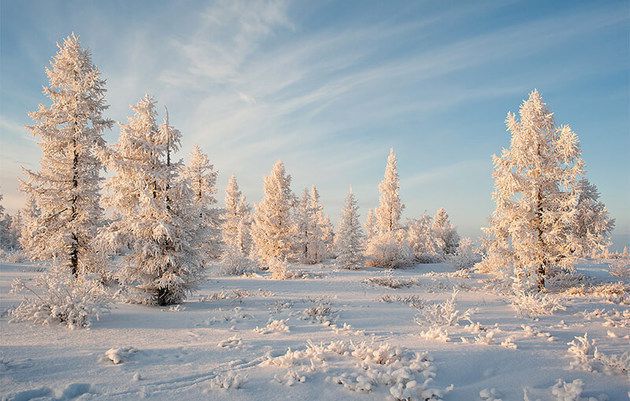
[349, 240]
[593, 223]
[533, 225]
[155, 220]
[236, 219]
[202, 179]
[390, 207]
[273, 228]
[66, 188]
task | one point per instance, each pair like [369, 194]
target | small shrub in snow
[278, 269]
[509, 343]
[535, 304]
[413, 301]
[234, 262]
[617, 293]
[229, 380]
[585, 356]
[320, 313]
[58, 297]
[391, 282]
[442, 314]
[465, 256]
[273, 326]
[119, 355]
[620, 268]
[226, 294]
[388, 251]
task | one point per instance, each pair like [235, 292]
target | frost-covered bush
[572, 391]
[586, 357]
[618, 293]
[388, 250]
[363, 368]
[234, 262]
[425, 246]
[535, 304]
[58, 297]
[442, 314]
[320, 313]
[465, 255]
[273, 326]
[279, 269]
[620, 267]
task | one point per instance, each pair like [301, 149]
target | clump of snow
[58, 297]
[289, 378]
[229, 380]
[119, 355]
[232, 342]
[489, 394]
[572, 391]
[273, 326]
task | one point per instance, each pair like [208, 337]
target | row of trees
[165, 226]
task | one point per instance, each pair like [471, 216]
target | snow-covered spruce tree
[349, 239]
[28, 229]
[202, 179]
[273, 227]
[8, 233]
[532, 229]
[322, 241]
[155, 219]
[444, 232]
[236, 218]
[370, 225]
[593, 224]
[390, 207]
[305, 223]
[66, 188]
[388, 246]
[425, 246]
[235, 231]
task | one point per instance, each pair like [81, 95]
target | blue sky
[328, 87]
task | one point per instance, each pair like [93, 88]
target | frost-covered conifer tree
[273, 227]
[370, 225]
[305, 224]
[322, 242]
[236, 218]
[390, 207]
[8, 233]
[202, 179]
[593, 225]
[155, 219]
[66, 188]
[349, 239]
[444, 232]
[387, 246]
[28, 229]
[532, 227]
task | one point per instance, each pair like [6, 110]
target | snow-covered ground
[355, 340]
